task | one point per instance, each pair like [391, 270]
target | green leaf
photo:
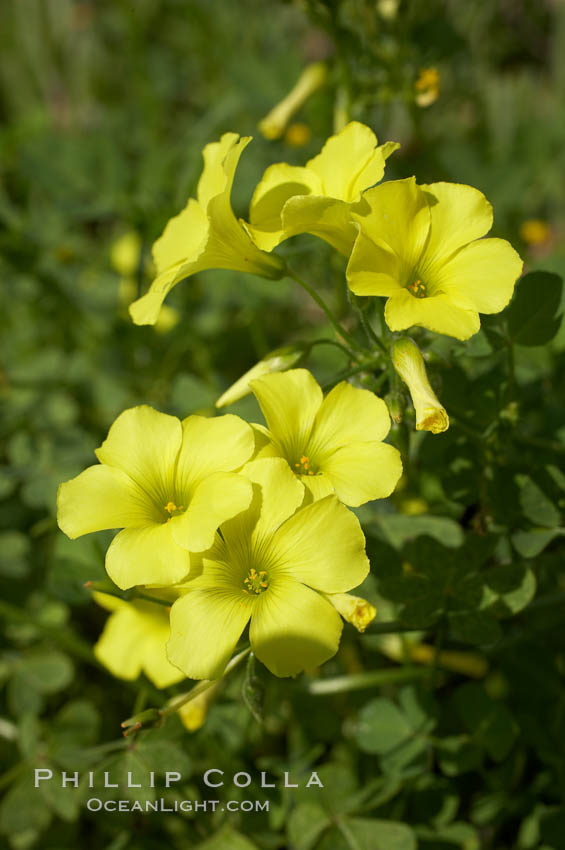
[366, 834]
[22, 810]
[533, 315]
[536, 506]
[399, 529]
[306, 824]
[381, 727]
[508, 589]
[253, 690]
[227, 839]
[458, 754]
[489, 722]
[47, 672]
[529, 544]
[477, 627]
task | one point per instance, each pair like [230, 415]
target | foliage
[452, 735]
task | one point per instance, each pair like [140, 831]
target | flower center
[303, 466]
[173, 510]
[256, 582]
[417, 289]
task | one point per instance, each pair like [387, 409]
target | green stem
[349, 372]
[326, 341]
[390, 627]
[201, 687]
[360, 681]
[339, 329]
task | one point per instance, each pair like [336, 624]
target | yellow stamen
[418, 289]
[256, 582]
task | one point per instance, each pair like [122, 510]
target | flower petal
[205, 628]
[317, 487]
[219, 444]
[438, 313]
[399, 220]
[348, 414]
[373, 269]
[215, 177]
[217, 498]
[133, 640]
[281, 493]
[146, 556]
[293, 629]
[349, 162]
[459, 214]
[323, 546]
[289, 402]
[485, 272]
[327, 218]
[145, 443]
[177, 253]
[361, 472]
[102, 497]
[279, 183]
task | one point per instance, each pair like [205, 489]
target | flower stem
[339, 329]
[201, 687]
[359, 681]
[326, 341]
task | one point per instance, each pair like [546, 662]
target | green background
[106, 107]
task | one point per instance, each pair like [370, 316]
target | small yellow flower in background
[312, 78]
[193, 714]
[427, 87]
[420, 247]
[399, 648]
[332, 444]
[353, 609]
[278, 360]
[388, 9]
[205, 234]
[168, 484]
[125, 254]
[535, 231]
[317, 198]
[298, 135]
[133, 641]
[272, 566]
[409, 363]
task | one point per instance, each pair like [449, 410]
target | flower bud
[313, 77]
[409, 363]
[279, 360]
[193, 713]
[353, 609]
[427, 87]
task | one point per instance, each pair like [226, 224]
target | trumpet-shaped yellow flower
[420, 247]
[193, 714]
[168, 484]
[409, 363]
[332, 444]
[134, 640]
[205, 234]
[312, 78]
[275, 361]
[318, 198]
[271, 566]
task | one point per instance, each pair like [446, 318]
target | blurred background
[105, 109]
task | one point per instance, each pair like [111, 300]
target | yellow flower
[409, 363]
[427, 87]
[333, 444]
[298, 135]
[168, 484]
[534, 231]
[312, 78]
[420, 247]
[193, 713]
[125, 252]
[276, 361]
[353, 609]
[134, 639]
[317, 199]
[205, 234]
[271, 566]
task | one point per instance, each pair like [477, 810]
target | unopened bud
[148, 719]
[353, 609]
[193, 714]
[279, 360]
[395, 407]
[312, 78]
[409, 363]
